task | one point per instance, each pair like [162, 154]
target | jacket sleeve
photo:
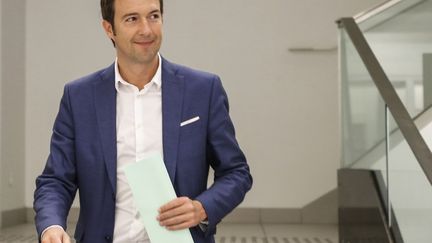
[56, 186]
[232, 178]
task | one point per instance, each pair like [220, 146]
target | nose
[144, 28]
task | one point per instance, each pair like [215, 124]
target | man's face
[137, 30]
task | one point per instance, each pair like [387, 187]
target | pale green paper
[151, 188]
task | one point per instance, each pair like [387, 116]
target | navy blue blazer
[83, 152]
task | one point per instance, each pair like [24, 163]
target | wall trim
[323, 210]
[244, 216]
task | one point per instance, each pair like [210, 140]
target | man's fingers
[55, 235]
[184, 221]
[179, 210]
[181, 226]
[181, 213]
[170, 213]
[52, 240]
[177, 220]
[173, 204]
[66, 238]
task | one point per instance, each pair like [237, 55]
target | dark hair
[107, 9]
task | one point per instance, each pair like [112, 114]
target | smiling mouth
[144, 43]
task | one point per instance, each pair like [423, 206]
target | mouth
[144, 43]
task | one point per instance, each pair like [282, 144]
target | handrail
[375, 10]
[388, 93]
[383, 12]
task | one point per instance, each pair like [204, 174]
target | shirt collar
[156, 80]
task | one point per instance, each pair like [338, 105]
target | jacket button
[108, 238]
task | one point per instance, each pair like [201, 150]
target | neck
[138, 74]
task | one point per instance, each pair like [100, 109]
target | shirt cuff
[203, 225]
[49, 227]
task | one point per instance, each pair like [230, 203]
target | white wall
[284, 105]
[71, 44]
[1, 81]
[13, 105]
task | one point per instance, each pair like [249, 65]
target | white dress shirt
[139, 135]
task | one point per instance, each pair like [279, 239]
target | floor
[227, 233]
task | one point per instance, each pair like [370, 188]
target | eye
[155, 16]
[131, 19]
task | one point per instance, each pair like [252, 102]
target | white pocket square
[187, 122]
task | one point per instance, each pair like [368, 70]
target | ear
[108, 28]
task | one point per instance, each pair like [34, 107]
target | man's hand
[181, 213]
[55, 235]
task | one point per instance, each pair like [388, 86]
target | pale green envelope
[151, 188]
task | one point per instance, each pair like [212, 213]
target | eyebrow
[135, 13]
[155, 11]
[129, 15]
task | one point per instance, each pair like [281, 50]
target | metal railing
[388, 93]
[384, 11]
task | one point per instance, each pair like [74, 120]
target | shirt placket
[139, 127]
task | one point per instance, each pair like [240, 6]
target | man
[140, 105]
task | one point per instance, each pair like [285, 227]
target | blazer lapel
[172, 103]
[105, 108]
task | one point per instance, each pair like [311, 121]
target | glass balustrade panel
[410, 192]
[362, 113]
[400, 37]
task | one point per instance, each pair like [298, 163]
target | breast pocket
[190, 121]
[192, 142]
[191, 127]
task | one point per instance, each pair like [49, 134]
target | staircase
[385, 190]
